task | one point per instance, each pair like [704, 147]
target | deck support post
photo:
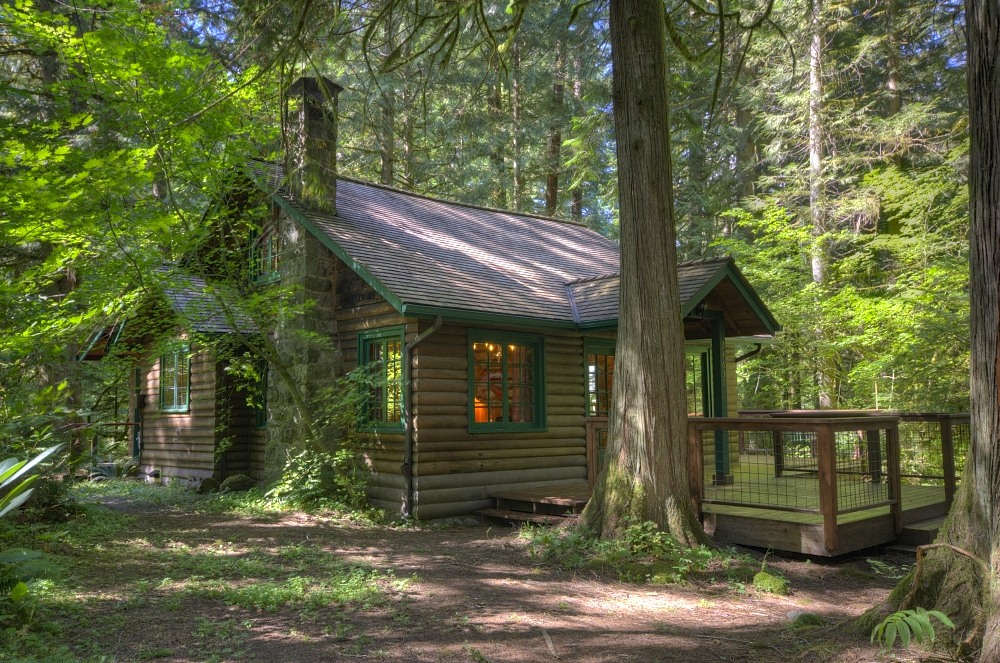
[947, 458]
[895, 487]
[827, 485]
[696, 469]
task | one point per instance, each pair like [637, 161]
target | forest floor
[155, 579]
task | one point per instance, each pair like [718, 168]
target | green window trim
[599, 364]
[382, 407]
[265, 255]
[506, 381]
[175, 379]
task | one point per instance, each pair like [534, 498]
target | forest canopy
[825, 149]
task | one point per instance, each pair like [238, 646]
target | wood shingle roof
[428, 256]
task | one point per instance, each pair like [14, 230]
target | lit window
[382, 352]
[505, 378]
[175, 379]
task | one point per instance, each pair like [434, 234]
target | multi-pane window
[696, 381]
[600, 363]
[382, 352]
[175, 379]
[505, 376]
[265, 254]
[600, 357]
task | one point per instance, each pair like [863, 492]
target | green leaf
[18, 592]
[941, 617]
[31, 464]
[904, 632]
[890, 635]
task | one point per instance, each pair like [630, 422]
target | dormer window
[265, 253]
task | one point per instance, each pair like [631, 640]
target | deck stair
[547, 505]
[922, 532]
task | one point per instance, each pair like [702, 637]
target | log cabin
[492, 335]
[492, 332]
[190, 417]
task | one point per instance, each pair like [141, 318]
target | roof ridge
[435, 199]
[703, 261]
[585, 279]
[484, 208]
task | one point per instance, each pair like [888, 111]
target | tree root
[967, 645]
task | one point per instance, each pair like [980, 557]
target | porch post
[827, 484]
[720, 408]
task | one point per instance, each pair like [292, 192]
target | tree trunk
[817, 195]
[518, 129]
[496, 111]
[952, 583]
[554, 160]
[576, 194]
[645, 476]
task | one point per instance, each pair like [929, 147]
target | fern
[907, 625]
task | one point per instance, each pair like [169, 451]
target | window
[600, 364]
[696, 382]
[265, 254]
[175, 379]
[382, 352]
[600, 358]
[505, 375]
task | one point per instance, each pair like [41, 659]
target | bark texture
[983, 468]
[952, 583]
[645, 475]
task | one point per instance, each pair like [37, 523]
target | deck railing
[822, 465]
[933, 447]
[828, 463]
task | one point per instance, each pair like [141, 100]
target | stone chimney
[311, 155]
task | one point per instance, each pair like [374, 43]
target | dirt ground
[474, 594]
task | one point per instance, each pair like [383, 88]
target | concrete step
[922, 532]
[524, 516]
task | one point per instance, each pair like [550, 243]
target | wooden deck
[777, 529]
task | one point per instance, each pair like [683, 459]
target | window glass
[382, 352]
[600, 379]
[265, 255]
[175, 379]
[505, 381]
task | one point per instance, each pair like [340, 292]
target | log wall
[180, 445]
[455, 471]
[359, 308]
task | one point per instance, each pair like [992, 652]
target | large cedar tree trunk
[951, 582]
[645, 476]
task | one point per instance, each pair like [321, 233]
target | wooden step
[922, 532]
[524, 516]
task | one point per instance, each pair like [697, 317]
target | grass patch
[109, 566]
[355, 585]
[643, 554]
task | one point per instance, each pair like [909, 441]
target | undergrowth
[103, 563]
[643, 554]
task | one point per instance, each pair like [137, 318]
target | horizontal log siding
[360, 308]
[245, 454]
[455, 470]
[181, 444]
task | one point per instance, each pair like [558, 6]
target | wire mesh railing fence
[796, 464]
